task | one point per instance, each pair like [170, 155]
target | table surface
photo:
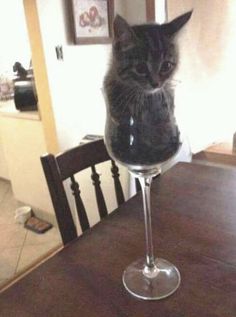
[194, 227]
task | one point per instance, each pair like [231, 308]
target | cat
[138, 90]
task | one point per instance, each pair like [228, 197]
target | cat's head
[145, 55]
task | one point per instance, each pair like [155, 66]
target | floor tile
[32, 253]
[4, 187]
[8, 261]
[8, 205]
[7, 219]
[33, 238]
[12, 236]
[19, 247]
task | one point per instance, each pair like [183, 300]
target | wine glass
[142, 141]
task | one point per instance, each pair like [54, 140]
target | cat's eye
[166, 67]
[141, 69]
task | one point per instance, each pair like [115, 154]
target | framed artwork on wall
[92, 21]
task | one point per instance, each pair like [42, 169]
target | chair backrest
[64, 166]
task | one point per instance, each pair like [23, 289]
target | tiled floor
[19, 247]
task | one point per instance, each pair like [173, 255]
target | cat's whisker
[125, 99]
[176, 80]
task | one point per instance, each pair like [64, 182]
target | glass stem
[145, 182]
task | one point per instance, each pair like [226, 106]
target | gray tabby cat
[138, 91]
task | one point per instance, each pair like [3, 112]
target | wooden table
[194, 227]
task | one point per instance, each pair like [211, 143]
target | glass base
[151, 284]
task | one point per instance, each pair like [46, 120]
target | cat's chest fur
[127, 101]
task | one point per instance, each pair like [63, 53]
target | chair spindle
[102, 208]
[118, 188]
[83, 218]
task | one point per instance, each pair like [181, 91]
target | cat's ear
[174, 26]
[124, 37]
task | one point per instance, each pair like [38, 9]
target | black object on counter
[25, 96]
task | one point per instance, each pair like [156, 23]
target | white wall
[14, 37]
[4, 173]
[161, 11]
[205, 97]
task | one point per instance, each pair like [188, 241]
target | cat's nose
[156, 84]
[156, 81]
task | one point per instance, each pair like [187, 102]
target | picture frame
[92, 21]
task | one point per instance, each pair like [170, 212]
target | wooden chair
[64, 166]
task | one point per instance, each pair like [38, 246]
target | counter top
[7, 109]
